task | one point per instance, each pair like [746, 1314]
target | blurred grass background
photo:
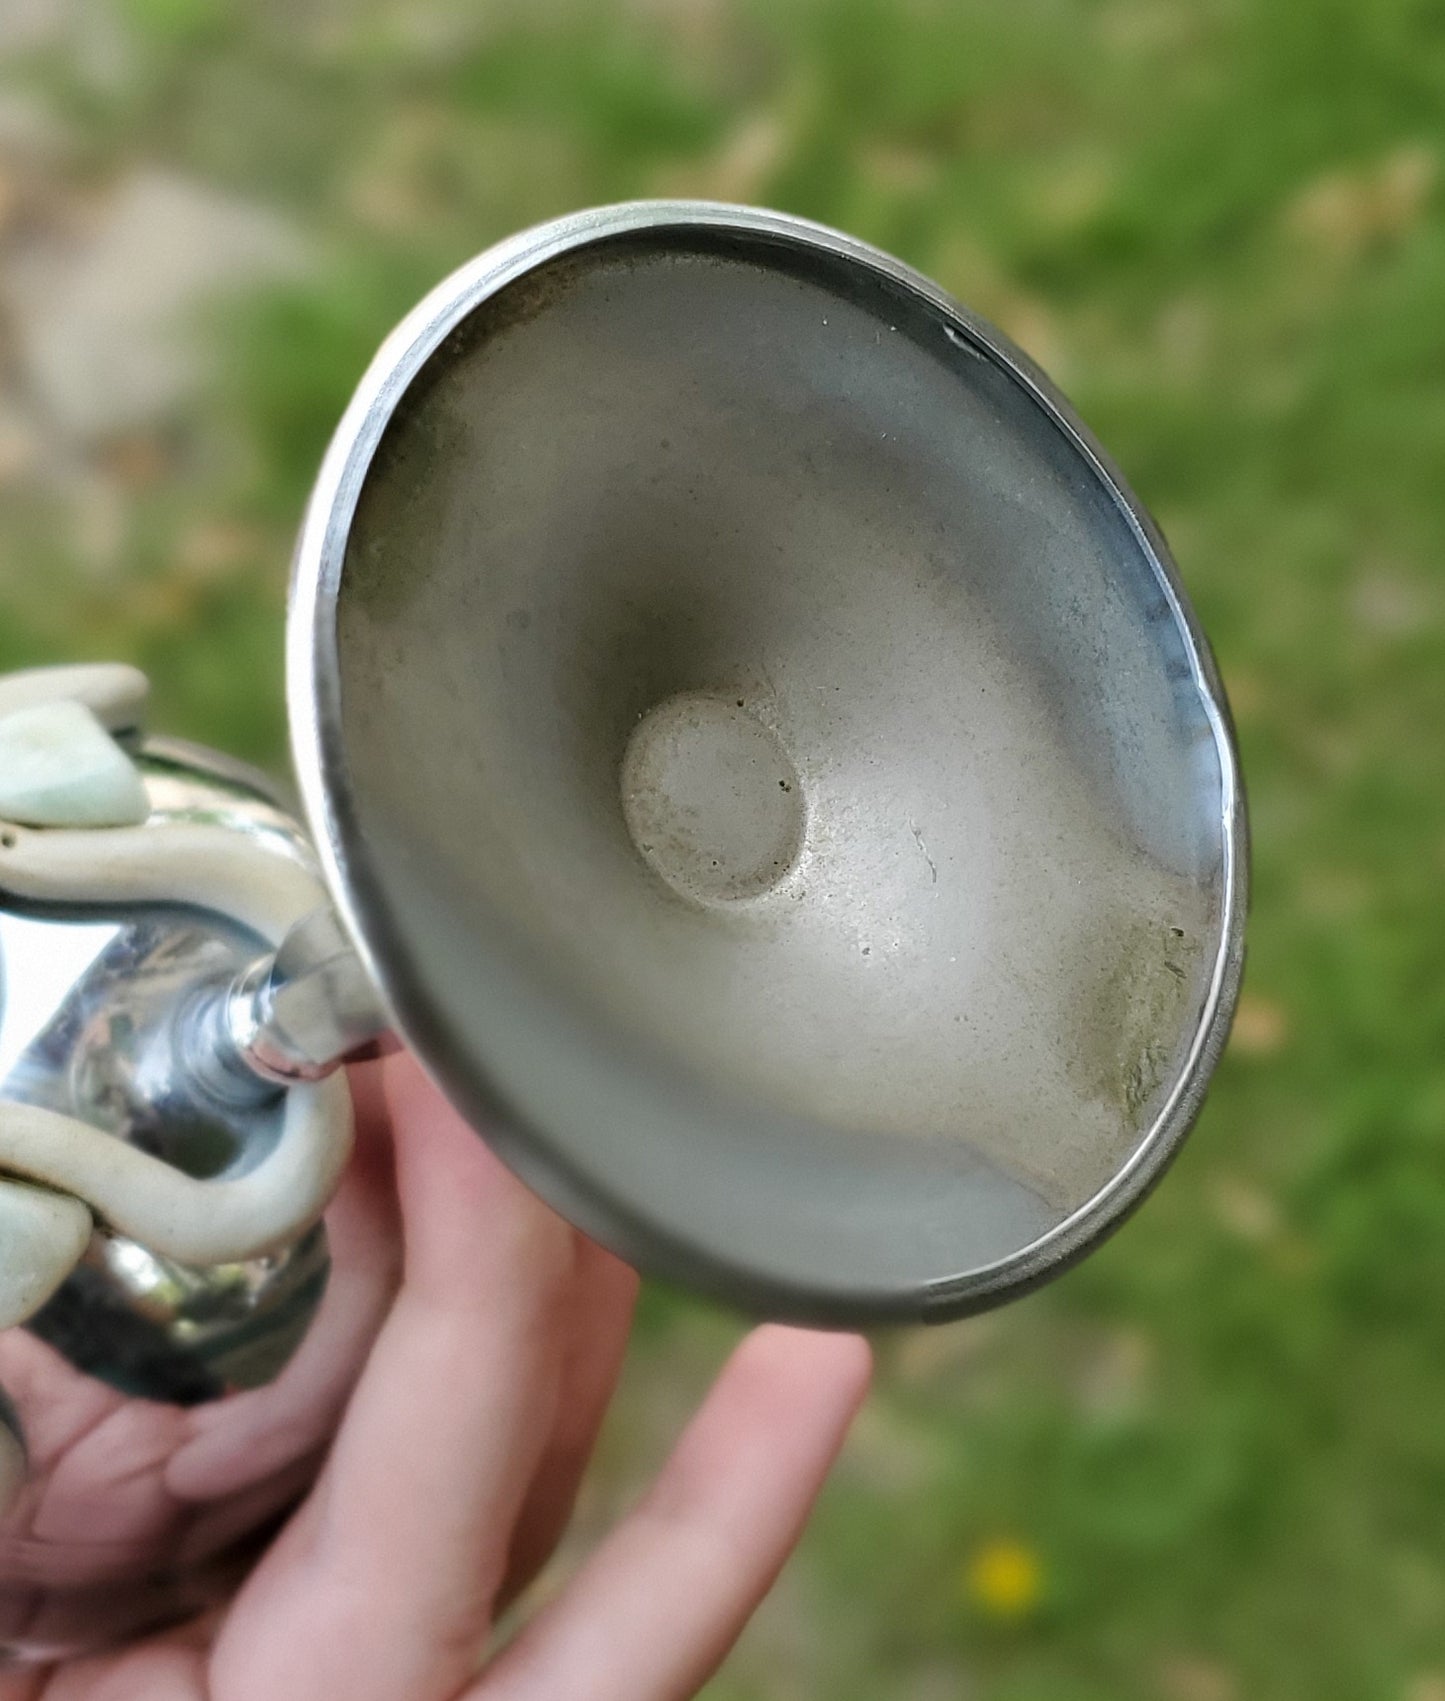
[1210, 1464]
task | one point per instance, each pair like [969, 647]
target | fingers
[653, 1612]
[167, 1668]
[384, 1584]
[602, 1324]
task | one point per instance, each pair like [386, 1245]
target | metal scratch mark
[932, 865]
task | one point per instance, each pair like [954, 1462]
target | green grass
[1220, 224]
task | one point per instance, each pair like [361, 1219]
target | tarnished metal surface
[672, 454]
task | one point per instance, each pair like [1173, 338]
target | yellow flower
[1005, 1579]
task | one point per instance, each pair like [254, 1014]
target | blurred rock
[91, 35]
[1188, 1679]
[136, 460]
[104, 317]
[26, 25]
[391, 187]
[31, 146]
[19, 445]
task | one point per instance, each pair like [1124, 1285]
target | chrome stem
[294, 1015]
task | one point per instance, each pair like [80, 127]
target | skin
[488, 1383]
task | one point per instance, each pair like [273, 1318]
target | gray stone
[26, 25]
[91, 35]
[105, 319]
[60, 768]
[28, 130]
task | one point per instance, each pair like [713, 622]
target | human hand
[457, 1461]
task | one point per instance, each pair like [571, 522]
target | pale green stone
[59, 767]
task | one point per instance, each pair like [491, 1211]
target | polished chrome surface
[293, 1014]
[766, 759]
[189, 784]
[166, 1331]
[95, 1012]
[297, 1014]
[215, 844]
[154, 1416]
[101, 1044]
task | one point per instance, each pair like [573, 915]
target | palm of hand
[454, 1471]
